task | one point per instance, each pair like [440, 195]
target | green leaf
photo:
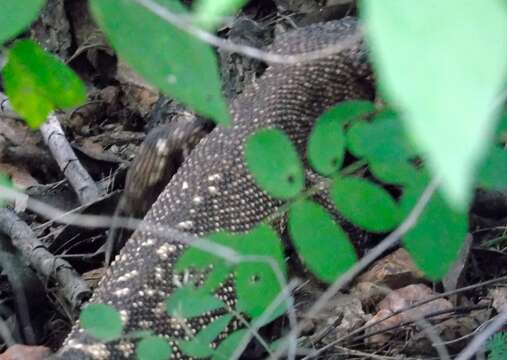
[37, 83]
[101, 321]
[382, 140]
[199, 346]
[447, 94]
[435, 241]
[365, 204]
[216, 276]
[153, 348]
[196, 348]
[16, 15]
[227, 347]
[493, 172]
[5, 181]
[394, 172]
[194, 257]
[175, 61]
[311, 224]
[274, 163]
[349, 110]
[256, 283]
[210, 13]
[186, 302]
[257, 286]
[326, 145]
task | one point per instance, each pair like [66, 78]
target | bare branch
[74, 287]
[69, 164]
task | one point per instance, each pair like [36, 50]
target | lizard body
[213, 190]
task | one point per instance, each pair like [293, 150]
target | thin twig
[81, 181]
[183, 23]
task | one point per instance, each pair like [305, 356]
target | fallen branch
[23, 238]
[69, 164]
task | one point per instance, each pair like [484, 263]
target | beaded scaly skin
[213, 190]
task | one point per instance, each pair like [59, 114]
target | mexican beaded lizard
[213, 190]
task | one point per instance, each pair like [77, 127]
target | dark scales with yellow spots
[213, 190]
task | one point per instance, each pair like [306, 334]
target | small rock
[401, 299]
[394, 271]
[499, 296]
[25, 352]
